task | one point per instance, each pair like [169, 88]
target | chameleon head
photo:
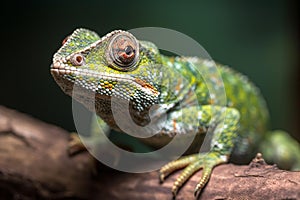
[115, 65]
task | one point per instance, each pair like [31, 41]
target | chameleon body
[118, 65]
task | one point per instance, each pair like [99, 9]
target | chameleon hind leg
[225, 122]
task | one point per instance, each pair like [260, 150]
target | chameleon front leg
[76, 146]
[225, 124]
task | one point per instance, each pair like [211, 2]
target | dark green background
[258, 38]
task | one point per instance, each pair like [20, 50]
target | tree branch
[34, 164]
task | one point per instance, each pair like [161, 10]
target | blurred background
[257, 38]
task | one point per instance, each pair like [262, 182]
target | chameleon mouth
[61, 70]
[58, 70]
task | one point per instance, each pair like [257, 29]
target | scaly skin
[119, 65]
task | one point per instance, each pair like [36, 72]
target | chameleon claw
[174, 192]
[197, 191]
[161, 177]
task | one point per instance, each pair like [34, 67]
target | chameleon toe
[175, 165]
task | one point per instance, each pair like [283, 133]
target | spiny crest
[78, 40]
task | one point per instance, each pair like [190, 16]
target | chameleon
[119, 65]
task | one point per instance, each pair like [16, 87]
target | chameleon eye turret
[77, 59]
[123, 52]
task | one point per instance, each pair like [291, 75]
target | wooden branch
[34, 164]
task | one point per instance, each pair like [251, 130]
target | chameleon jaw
[62, 70]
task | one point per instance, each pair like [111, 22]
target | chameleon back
[240, 94]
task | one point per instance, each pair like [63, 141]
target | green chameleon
[119, 65]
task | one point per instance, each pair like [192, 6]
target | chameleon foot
[75, 145]
[192, 164]
[176, 164]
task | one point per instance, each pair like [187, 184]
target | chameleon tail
[280, 148]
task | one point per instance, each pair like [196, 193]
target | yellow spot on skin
[211, 101]
[92, 66]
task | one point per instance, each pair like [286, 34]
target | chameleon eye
[123, 51]
[77, 59]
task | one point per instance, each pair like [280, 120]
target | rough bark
[34, 164]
